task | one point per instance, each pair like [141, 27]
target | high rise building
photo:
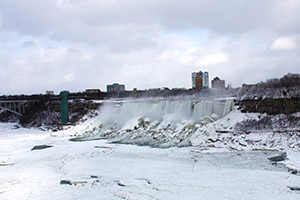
[199, 81]
[194, 74]
[204, 78]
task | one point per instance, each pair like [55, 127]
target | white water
[155, 122]
[158, 110]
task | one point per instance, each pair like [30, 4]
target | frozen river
[100, 170]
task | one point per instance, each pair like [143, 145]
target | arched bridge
[18, 107]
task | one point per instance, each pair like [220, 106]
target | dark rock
[277, 123]
[294, 188]
[40, 147]
[271, 106]
[102, 147]
[244, 145]
[6, 164]
[84, 139]
[121, 184]
[278, 158]
[65, 182]
[293, 171]
[93, 176]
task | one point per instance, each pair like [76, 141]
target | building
[218, 83]
[49, 92]
[92, 91]
[194, 74]
[115, 87]
[205, 80]
[204, 77]
[198, 82]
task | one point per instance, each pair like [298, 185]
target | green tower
[64, 107]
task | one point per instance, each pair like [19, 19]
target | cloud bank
[78, 44]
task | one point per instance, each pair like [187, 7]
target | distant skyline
[78, 44]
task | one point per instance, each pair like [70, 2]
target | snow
[99, 169]
[121, 123]
[132, 123]
[177, 123]
[201, 155]
[222, 134]
[154, 122]
[293, 161]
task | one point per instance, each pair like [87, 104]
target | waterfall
[121, 112]
[228, 106]
[155, 122]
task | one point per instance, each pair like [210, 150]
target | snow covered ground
[98, 169]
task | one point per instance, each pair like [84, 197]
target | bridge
[18, 107]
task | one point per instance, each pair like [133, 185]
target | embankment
[271, 106]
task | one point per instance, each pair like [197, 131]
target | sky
[79, 44]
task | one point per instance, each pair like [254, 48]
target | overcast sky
[78, 44]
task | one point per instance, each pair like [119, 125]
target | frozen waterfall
[157, 110]
[156, 122]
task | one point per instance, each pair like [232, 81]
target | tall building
[205, 80]
[115, 87]
[194, 74]
[199, 81]
[204, 77]
[218, 83]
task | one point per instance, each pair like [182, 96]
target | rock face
[279, 123]
[47, 114]
[271, 106]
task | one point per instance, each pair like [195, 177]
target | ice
[199, 155]
[132, 124]
[158, 122]
[157, 109]
[172, 123]
[102, 170]
[293, 161]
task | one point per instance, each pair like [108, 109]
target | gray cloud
[105, 17]
[131, 44]
[144, 43]
[28, 44]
